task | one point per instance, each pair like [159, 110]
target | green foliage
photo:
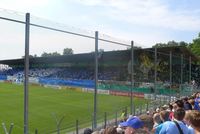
[44, 54]
[195, 46]
[170, 44]
[134, 47]
[68, 51]
[30, 56]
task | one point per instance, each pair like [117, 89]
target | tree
[55, 54]
[170, 44]
[195, 46]
[67, 51]
[134, 47]
[44, 54]
[30, 56]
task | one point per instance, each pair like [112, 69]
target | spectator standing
[131, 125]
[187, 119]
[164, 116]
[187, 105]
[177, 126]
[197, 102]
[195, 121]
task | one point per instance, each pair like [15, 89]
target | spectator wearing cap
[177, 126]
[132, 124]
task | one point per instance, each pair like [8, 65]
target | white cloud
[23, 4]
[148, 13]
[154, 18]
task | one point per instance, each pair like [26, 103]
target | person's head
[179, 114]
[147, 122]
[110, 130]
[119, 130]
[96, 132]
[132, 124]
[165, 107]
[101, 131]
[191, 101]
[197, 95]
[164, 116]
[179, 104]
[187, 117]
[87, 131]
[156, 118]
[185, 99]
[195, 120]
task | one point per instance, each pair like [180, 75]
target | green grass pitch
[46, 103]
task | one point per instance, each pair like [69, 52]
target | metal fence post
[190, 69]
[116, 118]
[140, 109]
[92, 119]
[134, 109]
[36, 131]
[11, 128]
[170, 73]
[5, 129]
[105, 120]
[160, 100]
[77, 123]
[132, 76]
[181, 74]
[96, 81]
[26, 71]
[155, 72]
[147, 108]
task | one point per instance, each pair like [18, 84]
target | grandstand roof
[88, 58]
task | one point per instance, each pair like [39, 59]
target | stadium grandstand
[123, 88]
[78, 69]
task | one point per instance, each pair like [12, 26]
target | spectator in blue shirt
[170, 127]
[197, 102]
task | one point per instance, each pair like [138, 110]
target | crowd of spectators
[178, 117]
[62, 73]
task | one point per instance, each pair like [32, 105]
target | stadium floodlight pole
[170, 73]
[27, 32]
[96, 81]
[132, 75]
[155, 71]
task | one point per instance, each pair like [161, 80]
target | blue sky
[144, 21]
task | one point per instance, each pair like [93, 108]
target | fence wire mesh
[63, 76]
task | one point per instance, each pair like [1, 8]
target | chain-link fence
[69, 79]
